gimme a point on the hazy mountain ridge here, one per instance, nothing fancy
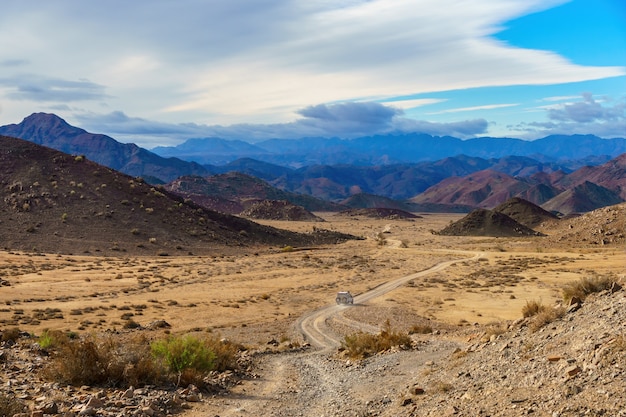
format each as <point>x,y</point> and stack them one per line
<point>458,182</point>
<point>393,149</point>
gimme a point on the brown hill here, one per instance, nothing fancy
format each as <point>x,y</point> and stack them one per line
<point>582,198</point>
<point>525,212</point>
<point>52,131</point>
<point>610,175</point>
<point>54,202</point>
<point>483,222</point>
<point>241,190</point>
<point>485,188</point>
<point>380,213</point>
<point>279,210</point>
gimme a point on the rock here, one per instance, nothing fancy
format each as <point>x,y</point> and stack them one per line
<point>554,358</point>
<point>415,390</point>
<point>129,393</point>
<point>573,370</point>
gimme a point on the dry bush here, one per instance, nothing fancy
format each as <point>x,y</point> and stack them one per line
<point>363,345</point>
<point>545,316</point>
<point>112,362</point>
<point>585,286</point>
<point>532,308</point>
<point>11,334</point>
<point>226,353</point>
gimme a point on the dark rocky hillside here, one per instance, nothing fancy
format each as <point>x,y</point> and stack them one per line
<point>380,213</point>
<point>525,212</point>
<point>482,222</point>
<point>241,189</point>
<point>279,210</point>
<point>58,203</point>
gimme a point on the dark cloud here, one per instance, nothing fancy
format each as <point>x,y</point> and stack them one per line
<point>345,120</point>
<point>35,88</point>
<point>604,119</point>
<point>366,113</point>
<point>587,111</point>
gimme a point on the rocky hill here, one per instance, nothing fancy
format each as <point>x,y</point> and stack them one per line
<point>52,131</point>
<point>279,210</point>
<point>483,222</point>
<point>380,213</point>
<point>58,203</point>
<point>242,190</point>
<point>525,212</point>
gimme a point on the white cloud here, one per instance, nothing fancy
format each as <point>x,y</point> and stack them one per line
<point>253,65</point>
<point>476,108</point>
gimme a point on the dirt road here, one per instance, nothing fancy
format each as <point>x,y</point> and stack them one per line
<point>312,383</point>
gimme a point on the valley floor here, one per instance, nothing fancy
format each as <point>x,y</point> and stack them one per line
<point>256,299</point>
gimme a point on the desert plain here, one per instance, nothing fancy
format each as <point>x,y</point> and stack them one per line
<point>255,296</point>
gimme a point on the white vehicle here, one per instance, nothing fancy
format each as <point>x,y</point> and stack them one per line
<point>344,297</point>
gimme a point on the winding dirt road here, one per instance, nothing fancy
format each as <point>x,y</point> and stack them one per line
<point>314,326</point>
<point>302,384</point>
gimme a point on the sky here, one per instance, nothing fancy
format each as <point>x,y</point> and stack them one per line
<point>158,72</point>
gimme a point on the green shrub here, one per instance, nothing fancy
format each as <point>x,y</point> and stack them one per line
<point>181,353</point>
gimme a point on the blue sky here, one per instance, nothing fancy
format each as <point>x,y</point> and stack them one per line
<point>158,72</point>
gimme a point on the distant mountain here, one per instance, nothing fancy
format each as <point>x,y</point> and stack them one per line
<point>611,175</point>
<point>485,189</point>
<point>582,198</point>
<point>52,131</point>
<point>395,149</point>
<point>241,191</point>
<point>585,189</point>
<point>214,151</point>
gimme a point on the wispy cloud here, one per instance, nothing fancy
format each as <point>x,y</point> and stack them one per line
<point>476,108</point>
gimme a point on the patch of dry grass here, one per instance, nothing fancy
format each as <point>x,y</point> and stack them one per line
<point>363,345</point>
<point>585,286</point>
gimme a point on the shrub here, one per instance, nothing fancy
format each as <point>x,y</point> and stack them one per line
<point>362,345</point>
<point>532,308</point>
<point>111,363</point>
<point>545,316</point>
<point>183,353</point>
<point>585,286</point>
<point>11,334</point>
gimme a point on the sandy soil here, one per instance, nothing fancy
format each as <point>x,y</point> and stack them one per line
<point>258,296</point>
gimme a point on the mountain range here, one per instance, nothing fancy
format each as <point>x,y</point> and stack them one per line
<point>391,149</point>
<point>564,174</point>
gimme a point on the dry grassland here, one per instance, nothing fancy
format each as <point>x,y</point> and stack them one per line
<point>257,296</point>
